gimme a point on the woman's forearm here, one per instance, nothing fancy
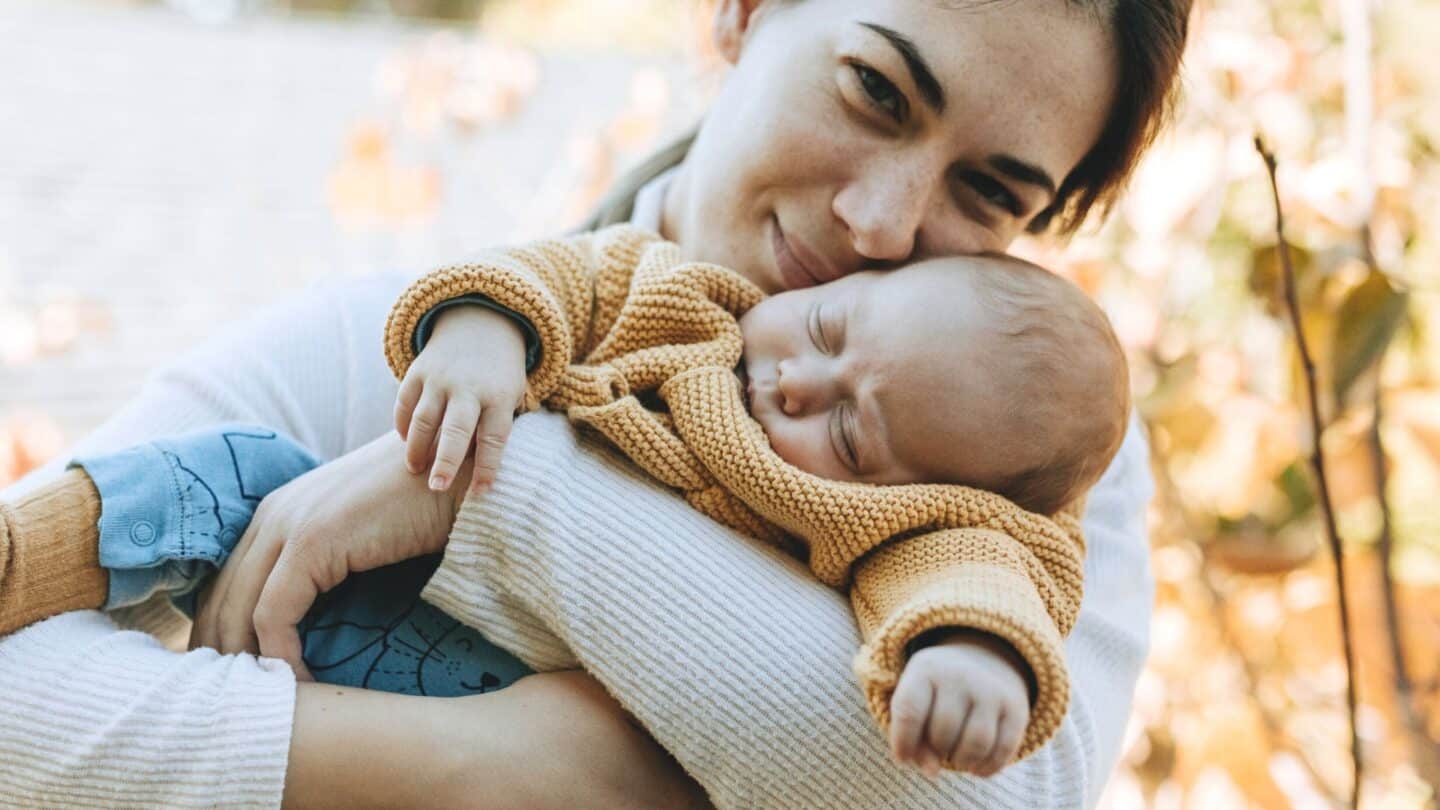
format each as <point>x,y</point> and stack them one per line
<point>550,741</point>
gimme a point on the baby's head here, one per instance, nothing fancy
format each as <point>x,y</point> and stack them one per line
<point>981,370</point>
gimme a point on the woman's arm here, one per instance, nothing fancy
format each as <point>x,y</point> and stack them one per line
<point>549,741</point>
<point>312,368</point>
<point>735,658</point>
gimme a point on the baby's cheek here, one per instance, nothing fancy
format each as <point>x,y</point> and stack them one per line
<point>800,446</point>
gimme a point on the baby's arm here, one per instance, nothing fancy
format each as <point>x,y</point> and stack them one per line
<point>1022,587</point>
<point>470,375</point>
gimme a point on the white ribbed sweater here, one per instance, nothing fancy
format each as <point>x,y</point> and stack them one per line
<point>110,718</point>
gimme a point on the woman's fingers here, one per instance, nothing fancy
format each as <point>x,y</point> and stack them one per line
<point>423,428</point>
<point>235,619</point>
<point>284,600</point>
<point>495,424</point>
<point>206,632</point>
<point>461,414</point>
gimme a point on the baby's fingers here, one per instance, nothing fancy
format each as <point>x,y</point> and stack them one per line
<point>947,720</point>
<point>423,424</point>
<point>495,426</point>
<point>977,739</point>
<point>461,414</point>
<point>405,401</point>
<point>909,707</point>
<point>1007,742</point>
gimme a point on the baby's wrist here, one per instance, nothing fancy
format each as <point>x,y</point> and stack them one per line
<point>973,638</point>
<point>471,317</point>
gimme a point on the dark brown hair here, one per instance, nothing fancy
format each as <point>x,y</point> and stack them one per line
<point>1149,40</point>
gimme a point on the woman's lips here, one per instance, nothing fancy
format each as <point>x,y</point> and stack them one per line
<point>799,268</point>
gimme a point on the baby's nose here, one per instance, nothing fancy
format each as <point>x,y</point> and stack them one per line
<point>803,387</point>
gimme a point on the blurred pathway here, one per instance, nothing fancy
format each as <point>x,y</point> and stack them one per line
<point>176,175</point>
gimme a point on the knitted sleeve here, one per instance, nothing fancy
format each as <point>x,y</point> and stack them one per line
<point>49,559</point>
<point>569,289</point>
<point>1025,591</point>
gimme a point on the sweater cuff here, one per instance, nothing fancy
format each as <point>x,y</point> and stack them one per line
<point>995,599</point>
<point>427,324</point>
<point>504,280</point>
<point>48,559</point>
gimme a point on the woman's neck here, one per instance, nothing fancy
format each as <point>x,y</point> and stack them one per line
<point>672,209</point>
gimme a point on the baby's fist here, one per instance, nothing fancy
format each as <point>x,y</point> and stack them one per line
<point>962,703</point>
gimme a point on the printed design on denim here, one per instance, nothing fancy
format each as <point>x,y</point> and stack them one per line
<point>202,512</point>
<point>375,632</point>
<point>235,442</point>
<point>199,507</point>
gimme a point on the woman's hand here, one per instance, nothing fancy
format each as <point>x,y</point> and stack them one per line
<point>360,511</point>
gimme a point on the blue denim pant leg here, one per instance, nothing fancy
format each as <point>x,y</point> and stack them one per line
<point>374,631</point>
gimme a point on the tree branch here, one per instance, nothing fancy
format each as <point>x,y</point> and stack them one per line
<point>1317,462</point>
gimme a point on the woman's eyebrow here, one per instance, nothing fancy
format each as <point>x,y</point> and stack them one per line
<point>1022,171</point>
<point>930,89</point>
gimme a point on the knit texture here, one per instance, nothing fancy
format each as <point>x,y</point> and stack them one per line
<point>49,561</point>
<point>914,557</point>
<point>98,717</point>
<point>732,655</point>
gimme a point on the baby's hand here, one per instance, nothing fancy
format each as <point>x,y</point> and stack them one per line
<point>468,381</point>
<point>964,697</point>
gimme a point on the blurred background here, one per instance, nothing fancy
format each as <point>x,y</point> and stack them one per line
<point>167,167</point>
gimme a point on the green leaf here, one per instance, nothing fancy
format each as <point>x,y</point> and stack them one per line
<point>1367,320</point>
<point>1265,279</point>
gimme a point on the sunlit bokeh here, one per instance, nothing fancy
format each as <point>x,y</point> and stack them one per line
<point>172,167</point>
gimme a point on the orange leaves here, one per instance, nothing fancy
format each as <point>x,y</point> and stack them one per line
<point>369,188</point>
<point>27,440</point>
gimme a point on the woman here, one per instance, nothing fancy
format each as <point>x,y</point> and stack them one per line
<point>851,134</point>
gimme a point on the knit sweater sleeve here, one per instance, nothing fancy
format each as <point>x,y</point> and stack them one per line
<point>49,561</point>
<point>569,290</point>
<point>1026,593</point>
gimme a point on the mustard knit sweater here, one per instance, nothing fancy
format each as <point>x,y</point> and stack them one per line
<point>619,315</point>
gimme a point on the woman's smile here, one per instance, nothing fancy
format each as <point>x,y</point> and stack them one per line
<point>793,273</point>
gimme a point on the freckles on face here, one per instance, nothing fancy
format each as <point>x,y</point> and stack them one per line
<point>823,127</point>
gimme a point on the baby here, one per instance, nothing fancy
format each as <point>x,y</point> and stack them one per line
<point>780,416</point>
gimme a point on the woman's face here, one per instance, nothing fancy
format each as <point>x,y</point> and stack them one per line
<point>860,134</point>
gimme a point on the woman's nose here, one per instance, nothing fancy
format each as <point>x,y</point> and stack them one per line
<point>805,386</point>
<point>884,211</point>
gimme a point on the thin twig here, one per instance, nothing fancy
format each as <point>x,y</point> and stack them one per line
<point>1317,461</point>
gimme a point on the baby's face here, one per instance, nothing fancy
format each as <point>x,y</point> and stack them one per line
<point>875,378</point>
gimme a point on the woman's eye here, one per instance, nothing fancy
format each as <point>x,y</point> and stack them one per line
<point>882,92</point>
<point>993,192</point>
